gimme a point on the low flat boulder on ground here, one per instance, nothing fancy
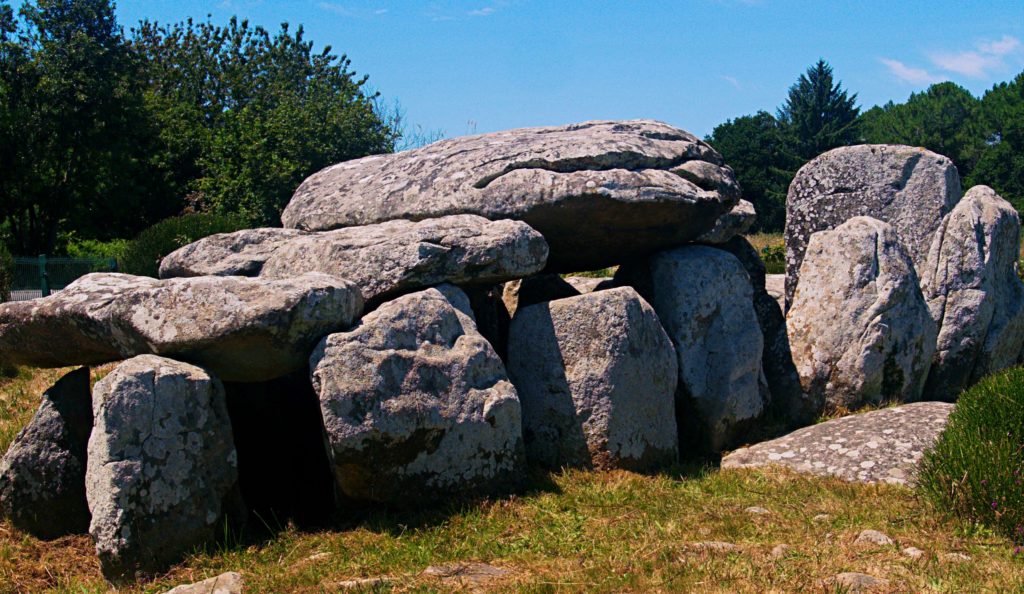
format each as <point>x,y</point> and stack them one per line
<point>599,192</point>
<point>243,329</point>
<point>416,404</point>
<point>881,446</point>
<point>596,375</point>
<point>908,187</point>
<point>42,476</point>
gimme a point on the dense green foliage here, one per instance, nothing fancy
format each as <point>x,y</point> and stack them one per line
<point>818,115</point>
<point>142,255</point>
<point>977,467</point>
<point>104,133</point>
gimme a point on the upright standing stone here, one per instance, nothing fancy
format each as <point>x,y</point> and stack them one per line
<point>596,375</point>
<point>416,403</point>
<point>974,293</point>
<point>42,476</point>
<point>859,327</point>
<point>162,476</point>
<point>907,187</point>
<point>599,192</point>
<point>705,301</point>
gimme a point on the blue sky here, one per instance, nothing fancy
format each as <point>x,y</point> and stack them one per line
<point>485,65</point>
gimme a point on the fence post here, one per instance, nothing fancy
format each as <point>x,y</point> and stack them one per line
<point>44,278</point>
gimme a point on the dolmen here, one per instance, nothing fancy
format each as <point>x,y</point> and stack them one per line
<point>414,333</point>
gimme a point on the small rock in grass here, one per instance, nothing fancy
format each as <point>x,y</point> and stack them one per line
<point>780,551</point>
<point>361,584</point>
<point>757,511</point>
<point>914,553</point>
<point>853,582</point>
<point>821,518</point>
<point>715,546</point>
<point>956,557</point>
<point>225,583</point>
<point>873,537</point>
<point>470,572</point>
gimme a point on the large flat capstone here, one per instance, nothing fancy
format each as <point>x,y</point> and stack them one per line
<point>599,192</point>
<point>243,329</point>
<point>881,446</point>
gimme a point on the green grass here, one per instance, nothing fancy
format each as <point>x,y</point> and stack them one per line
<point>977,466</point>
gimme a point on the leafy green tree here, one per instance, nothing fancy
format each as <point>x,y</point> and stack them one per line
<point>244,116</point>
<point>1001,164</point>
<point>942,119</point>
<point>754,147</point>
<point>818,115</point>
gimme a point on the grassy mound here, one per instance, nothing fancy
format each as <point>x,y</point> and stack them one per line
<point>977,466</point>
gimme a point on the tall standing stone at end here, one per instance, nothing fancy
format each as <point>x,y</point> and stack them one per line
<point>907,187</point>
<point>162,475</point>
<point>599,192</point>
<point>417,405</point>
<point>596,375</point>
<point>42,476</point>
<point>859,327</point>
<point>973,292</point>
<point>705,301</point>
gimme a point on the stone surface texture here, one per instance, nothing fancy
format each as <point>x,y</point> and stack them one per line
<point>225,583</point>
<point>536,289</point>
<point>416,403</point>
<point>396,257</point>
<point>859,327</point>
<point>705,301</point>
<point>735,222</point>
<point>974,294</point>
<point>881,446</point>
<point>243,329</point>
<point>241,253</point>
<point>42,476</point>
<point>162,473</point>
<point>910,188</point>
<point>598,191</point>
<point>775,284</point>
<point>596,376</point>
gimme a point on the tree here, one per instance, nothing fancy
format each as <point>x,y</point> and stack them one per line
<point>944,119</point>
<point>244,116</point>
<point>1001,164</point>
<point>754,147</point>
<point>818,115</point>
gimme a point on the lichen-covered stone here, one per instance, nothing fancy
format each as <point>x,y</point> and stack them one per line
<point>596,375</point>
<point>241,253</point>
<point>536,289</point>
<point>974,294</point>
<point>396,257</point>
<point>243,329</point>
<point>907,187</point>
<point>737,221</point>
<point>417,405</point>
<point>882,446</point>
<point>42,476</point>
<point>599,192</point>
<point>162,473</point>
<point>705,301</point>
<point>859,328</point>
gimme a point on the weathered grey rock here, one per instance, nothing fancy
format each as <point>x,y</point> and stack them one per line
<point>396,257</point>
<point>914,553</point>
<point>467,574</point>
<point>881,446</point>
<point>854,582</point>
<point>42,476</point>
<point>162,474</point>
<point>416,403</point>
<point>491,316</point>
<point>241,253</point>
<point>973,292</point>
<point>589,284</point>
<point>859,327</point>
<point>225,583</point>
<point>243,329</point>
<point>791,405</point>
<point>873,538</point>
<point>775,285</point>
<point>910,188</point>
<point>735,222</point>
<point>596,376</point>
<point>600,192</point>
<point>704,299</point>
<point>536,289</point>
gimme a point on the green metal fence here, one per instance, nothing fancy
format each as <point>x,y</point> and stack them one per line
<point>41,276</point>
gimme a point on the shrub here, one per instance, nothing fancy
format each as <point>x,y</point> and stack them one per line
<point>976,469</point>
<point>6,273</point>
<point>93,248</point>
<point>143,254</point>
<point>774,257</point>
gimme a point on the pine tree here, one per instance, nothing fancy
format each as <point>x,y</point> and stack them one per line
<point>818,115</point>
